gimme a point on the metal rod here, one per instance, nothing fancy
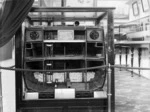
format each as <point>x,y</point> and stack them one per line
<point>120,52</point>
<point>89,68</point>
<point>109,94</point>
<point>67,70</point>
<point>141,68</point>
<point>70,9</point>
<point>139,54</point>
<point>127,56</point>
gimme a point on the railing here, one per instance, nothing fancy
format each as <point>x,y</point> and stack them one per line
<point>135,52</point>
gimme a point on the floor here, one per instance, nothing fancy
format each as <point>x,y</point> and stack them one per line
<point>132,93</point>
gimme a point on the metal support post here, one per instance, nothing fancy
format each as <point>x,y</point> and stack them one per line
<point>139,54</point>
<point>120,52</point>
<point>132,59</point>
<point>127,56</point>
<point>109,94</point>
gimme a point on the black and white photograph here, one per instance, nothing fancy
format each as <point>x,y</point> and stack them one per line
<point>74,55</point>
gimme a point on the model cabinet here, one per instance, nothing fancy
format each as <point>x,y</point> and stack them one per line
<point>63,63</point>
<point>63,48</point>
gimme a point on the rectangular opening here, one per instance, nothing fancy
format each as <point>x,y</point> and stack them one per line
<point>34,65</point>
<point>75,49</point>
<point>34,50</point>
<point>50,35</point>
<point>79,35</point>
<point>58,49</point>
<point>95,49</point>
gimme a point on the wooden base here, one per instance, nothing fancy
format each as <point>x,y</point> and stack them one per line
<point>71,105</point>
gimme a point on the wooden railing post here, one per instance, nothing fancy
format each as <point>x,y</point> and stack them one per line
<point>132,60</point>
<point>127,56</point>
<point>139,59</point>
<point>120,55</point>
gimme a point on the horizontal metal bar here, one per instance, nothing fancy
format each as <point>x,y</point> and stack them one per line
<point>50,18</point>
<point>118,66</point>
<point>66,70</point>
<point>70,9</point>
<point>69,70</point>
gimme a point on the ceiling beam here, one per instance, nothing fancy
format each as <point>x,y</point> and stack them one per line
<point>59,18</point>
<point>70,9</point>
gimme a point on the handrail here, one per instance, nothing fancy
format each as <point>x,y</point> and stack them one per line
<point>38,70</point>
<point>69,70</point>
<point>140,68</point>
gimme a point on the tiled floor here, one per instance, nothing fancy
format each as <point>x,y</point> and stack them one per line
<point>132,93</point>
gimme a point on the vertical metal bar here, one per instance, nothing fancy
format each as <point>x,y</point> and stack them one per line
<point>120,50</point>
<point>111,56</point>
<point>120,53</point>
<point>119,33</point>
<point>95,5</point>
<point>40,13</point>
<point>62,13</point>
<point>85,59</point>
<point>140,54</point>
<point>109,88</point>
<point>18,64</point>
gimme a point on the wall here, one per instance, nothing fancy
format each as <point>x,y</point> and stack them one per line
<point>121,8</point>
<point>6,51</point>
<point>8,87</point>
<point>7,77</point>
<point>140,8</point>
<point>1,3</point>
